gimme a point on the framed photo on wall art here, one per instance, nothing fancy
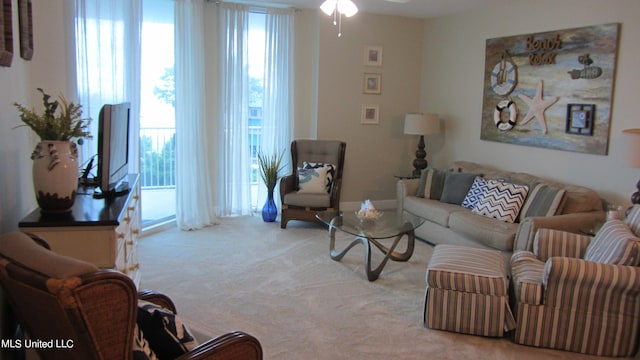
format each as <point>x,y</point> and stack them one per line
<point>370,114</point>
<point>372,83</point>
<point>373,55</point>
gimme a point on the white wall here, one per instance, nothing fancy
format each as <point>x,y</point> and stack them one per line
<point>452,83</point>
<point>374,153</point>
<point>47,69</point>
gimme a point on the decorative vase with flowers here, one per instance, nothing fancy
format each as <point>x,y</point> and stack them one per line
<point>55,166</point>
<point>270,166</point>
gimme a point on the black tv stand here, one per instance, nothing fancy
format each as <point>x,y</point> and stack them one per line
<point>122,188</point>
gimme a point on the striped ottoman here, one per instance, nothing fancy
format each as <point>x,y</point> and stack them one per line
<point>467,291</point>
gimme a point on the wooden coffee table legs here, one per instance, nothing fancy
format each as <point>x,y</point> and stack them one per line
<point>389,252</point>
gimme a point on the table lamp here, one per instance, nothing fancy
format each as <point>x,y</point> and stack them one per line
<point>421,124</point>
<point>633,159</point>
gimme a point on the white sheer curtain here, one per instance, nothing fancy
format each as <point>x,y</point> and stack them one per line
<point>194,193</point>
<point>277,110</point>
<point>234,190</point>
<point>107,35</point>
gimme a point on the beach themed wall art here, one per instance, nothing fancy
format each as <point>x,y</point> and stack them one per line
<point>552,89</point>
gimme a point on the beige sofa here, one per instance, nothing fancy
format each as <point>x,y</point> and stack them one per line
<point>447,223</point>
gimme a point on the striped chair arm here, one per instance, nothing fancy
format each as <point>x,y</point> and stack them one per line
<point>550,242</point>
<point>527,272</point>
<point>578,284</point>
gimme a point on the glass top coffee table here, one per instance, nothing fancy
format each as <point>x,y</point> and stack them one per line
<point>390,225</point>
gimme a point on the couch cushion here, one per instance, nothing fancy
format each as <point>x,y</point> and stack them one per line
<point>318,200</point>
<point>633,220</point>
<point>614,244</point>
<point>580,199</point>
<point>502,201</point>
<point>432,210</point>
<point>456,187</point>
<point>577,198</point>
<point>431,183</point>
<point>543,200</point>
<point>490,232</point>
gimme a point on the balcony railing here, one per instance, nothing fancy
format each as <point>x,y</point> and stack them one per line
<point>157,169</point>
<point>158,157</point>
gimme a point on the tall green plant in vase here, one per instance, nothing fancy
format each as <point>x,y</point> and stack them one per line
<point>55,166</point>
<point>270,167</point>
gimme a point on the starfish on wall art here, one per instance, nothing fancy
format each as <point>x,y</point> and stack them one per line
<point>537,106</point>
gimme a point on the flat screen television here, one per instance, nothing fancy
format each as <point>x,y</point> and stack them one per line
<point>113,150</point>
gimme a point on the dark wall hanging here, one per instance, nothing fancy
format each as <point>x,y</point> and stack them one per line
<point>26,29</point>
<point>6,34</point>
<point>552,89</point>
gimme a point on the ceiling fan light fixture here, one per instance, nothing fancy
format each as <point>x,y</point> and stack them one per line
<point>337,8</point>
<point>347,8</point>
<point>329,6</point>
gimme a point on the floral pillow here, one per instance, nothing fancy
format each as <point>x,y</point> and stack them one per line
<point>331,171</point>
<point>312,181</point>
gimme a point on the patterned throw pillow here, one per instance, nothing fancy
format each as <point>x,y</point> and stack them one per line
<point>502,201</point>
<point>477,191</point>
<point>543,200</point>
<point>312,181</point>
<point>431,183</point>
<point>331,171</point>
<point>613,244</point>
<point>167,336</point>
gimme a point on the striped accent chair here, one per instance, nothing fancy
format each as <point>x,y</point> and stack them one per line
<point>579,293</point>
<point>467,291</point>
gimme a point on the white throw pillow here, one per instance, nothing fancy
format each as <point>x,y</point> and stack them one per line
<point>331,171</point>
<point>312,181</point>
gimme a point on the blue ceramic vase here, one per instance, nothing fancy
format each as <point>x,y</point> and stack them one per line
<point>269,210</point>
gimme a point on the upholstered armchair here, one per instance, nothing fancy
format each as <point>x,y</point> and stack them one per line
<point>580,293</point>
<point>91,313</point>
<point>312,160</point>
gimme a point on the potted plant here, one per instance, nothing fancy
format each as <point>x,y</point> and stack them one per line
<point>55,167</point>
<point>270,167</point>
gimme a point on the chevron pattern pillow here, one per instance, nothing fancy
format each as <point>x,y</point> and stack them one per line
<point>502,201</point>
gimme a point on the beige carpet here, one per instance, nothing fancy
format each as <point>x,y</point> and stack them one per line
<point>282,287</point>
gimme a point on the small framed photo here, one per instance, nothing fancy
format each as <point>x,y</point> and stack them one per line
<point>580,119</point>
<point>373,55</point>
<point>370,114</point>
<point>372,83</point>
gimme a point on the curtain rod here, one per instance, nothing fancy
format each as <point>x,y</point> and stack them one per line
<point>256,3</point>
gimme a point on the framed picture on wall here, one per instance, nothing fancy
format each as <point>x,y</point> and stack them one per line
<point>372,83</point>
<point>370,114</point>
<point>373,55</point>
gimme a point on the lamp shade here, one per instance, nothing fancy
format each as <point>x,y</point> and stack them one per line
<point>633,147</point>
<point>421,124</point>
